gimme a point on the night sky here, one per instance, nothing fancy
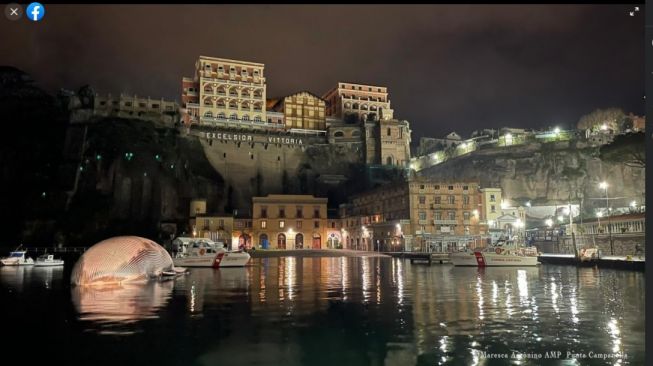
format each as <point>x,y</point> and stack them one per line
<point>447,67</point>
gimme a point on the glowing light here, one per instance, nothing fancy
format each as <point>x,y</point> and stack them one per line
<point>528,204</point>
<point>549,222</point>
<point>560,218</point>
<point>556,130</point>
<point>633,204</point>
<point>604,127</point>
<point>603,185</point>
<point>505,204</point>
<point>599,214</point>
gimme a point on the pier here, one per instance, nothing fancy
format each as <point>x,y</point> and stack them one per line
<point>606,261</point>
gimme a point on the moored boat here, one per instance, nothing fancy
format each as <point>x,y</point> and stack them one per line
<point>207,253</point>
<point>495,257</point>
<point>47,260</point>
<point>17,258</point>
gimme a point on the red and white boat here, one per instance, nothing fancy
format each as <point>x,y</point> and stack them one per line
<point>497,256</point>
<point>207,253</point>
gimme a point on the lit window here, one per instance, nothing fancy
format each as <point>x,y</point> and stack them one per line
<point>282,224</point>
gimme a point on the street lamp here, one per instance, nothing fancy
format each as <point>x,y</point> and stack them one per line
<point>604,185</point>
<point>549,222</point>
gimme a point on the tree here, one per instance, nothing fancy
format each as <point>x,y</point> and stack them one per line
<point>628,149</point>
<point>611,117</point>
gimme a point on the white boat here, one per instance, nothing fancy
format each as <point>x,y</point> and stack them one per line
<point>495,256</point>
<point>207,253</point>
<point>47,260</point>
<point>17,258</point>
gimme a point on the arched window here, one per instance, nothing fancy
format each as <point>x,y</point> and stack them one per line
<point>208,89</point>
<point>388,160</point>
<point>208,103</point>
<point>373,108</point>
<point>355,106</point>
<point>245,118</point>
<point>281,241</point>
<point>233,117</point>
<point>299,241</point>
<point>257,106</point>
<point>339,134</point>
<point>364,107</point>
<point>221,115</point>
<point>233,105</point>
<point>208,114</point>
<point>347,105</point>
<point>258,93</point>
<point>233,92</point>
<point>257,118</point>
<point>245,106</point>
<point>221,91</point>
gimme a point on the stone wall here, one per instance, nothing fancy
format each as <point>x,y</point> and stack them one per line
<point>623,244</point>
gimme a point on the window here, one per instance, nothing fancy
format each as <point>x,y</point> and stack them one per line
<point>282,224</point>
<point>155,106</point>
<point>452,215</point>
<point>128,104</point>
<point>299,224</point>
<point>465,188</point>
<point>299,214</point>
<point>437,186</point>
<point>389,132</point>
<point>422,200</point>
<point>451,188</point>
<point>466,216</point>
<point>422,215</point>
<point>492,199</point>
<point>221,223</point>
<point>282,212</point>
<point>452,200</point>
<point>316,224</point>
<point>316,212</point>
<point>264,212</point>
<point>493,208</point>
<point>338,134</point>
<point>465,200</point>
<point>333,224</point>
<point>264,224</point>
<point>438,200</point>
<point>421,186</point>
<point>438,215</point>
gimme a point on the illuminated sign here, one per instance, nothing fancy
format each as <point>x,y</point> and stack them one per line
<point>253,138</point>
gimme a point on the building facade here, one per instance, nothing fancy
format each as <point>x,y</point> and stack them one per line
<point>363,102</point>
<point>407,215</point>
<point>303,111</point>
<point>225,92</point>
<point>289,221</point>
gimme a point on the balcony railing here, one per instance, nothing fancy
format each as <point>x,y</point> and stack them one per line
<point>445,222</point>
<point>232,82</point>
<point>192,105</point>
<point>239,122</point>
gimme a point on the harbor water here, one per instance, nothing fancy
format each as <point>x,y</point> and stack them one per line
<point>330,311</point>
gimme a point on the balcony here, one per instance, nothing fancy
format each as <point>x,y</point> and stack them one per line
<point>232,122</point>
<point>192,105</point>
<point>260,82</point>
<point>445,222</point>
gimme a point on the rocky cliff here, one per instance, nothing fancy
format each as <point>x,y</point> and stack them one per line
<point>552,173</point>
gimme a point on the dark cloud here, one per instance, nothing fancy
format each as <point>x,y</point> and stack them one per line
<point>447,67</point>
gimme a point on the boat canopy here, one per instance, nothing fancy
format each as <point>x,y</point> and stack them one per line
<point>16,254</point>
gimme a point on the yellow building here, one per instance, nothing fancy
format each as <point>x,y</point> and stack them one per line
<point>225,93</point>
<point>492,199</point>
<point>290,221</point>
<point>364,102</point>
<point>218,228</point>
<point>302,110</point>
<point>408,214</point>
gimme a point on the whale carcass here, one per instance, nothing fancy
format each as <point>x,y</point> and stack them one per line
<point>120,260</point>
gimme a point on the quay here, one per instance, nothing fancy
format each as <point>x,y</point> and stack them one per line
<point>606,261</point>
<point>421,257</point>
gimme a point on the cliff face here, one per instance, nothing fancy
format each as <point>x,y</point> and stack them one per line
<point>549,174</point>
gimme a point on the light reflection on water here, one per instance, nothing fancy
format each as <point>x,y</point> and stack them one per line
<point>360,311</point>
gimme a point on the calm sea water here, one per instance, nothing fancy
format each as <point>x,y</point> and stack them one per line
<point>330,311</point>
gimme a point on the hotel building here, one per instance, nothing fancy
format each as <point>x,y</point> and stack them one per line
<point>365,102</point>
<point>225,93</point>
<point>302,111</point>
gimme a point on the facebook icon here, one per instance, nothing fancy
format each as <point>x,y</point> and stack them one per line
<point>35,12</point>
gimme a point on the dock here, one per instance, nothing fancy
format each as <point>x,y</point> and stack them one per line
<point>606,261</point>
<point>421,257</point>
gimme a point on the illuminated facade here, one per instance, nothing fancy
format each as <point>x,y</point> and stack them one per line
<point>290,221</point>
<point>225,93</point>
<point>302,110</point>
<point>363,102</point>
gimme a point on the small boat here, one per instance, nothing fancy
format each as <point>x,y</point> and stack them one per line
<point>47,260</point>
<point>17,258</point>
<point>207,253</point>
<point>496,256</point>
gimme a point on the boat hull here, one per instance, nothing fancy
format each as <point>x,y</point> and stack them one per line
<point>10,262</point>
<point>220,260</point>
<point>48,264</point>
<point>480,259</point>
